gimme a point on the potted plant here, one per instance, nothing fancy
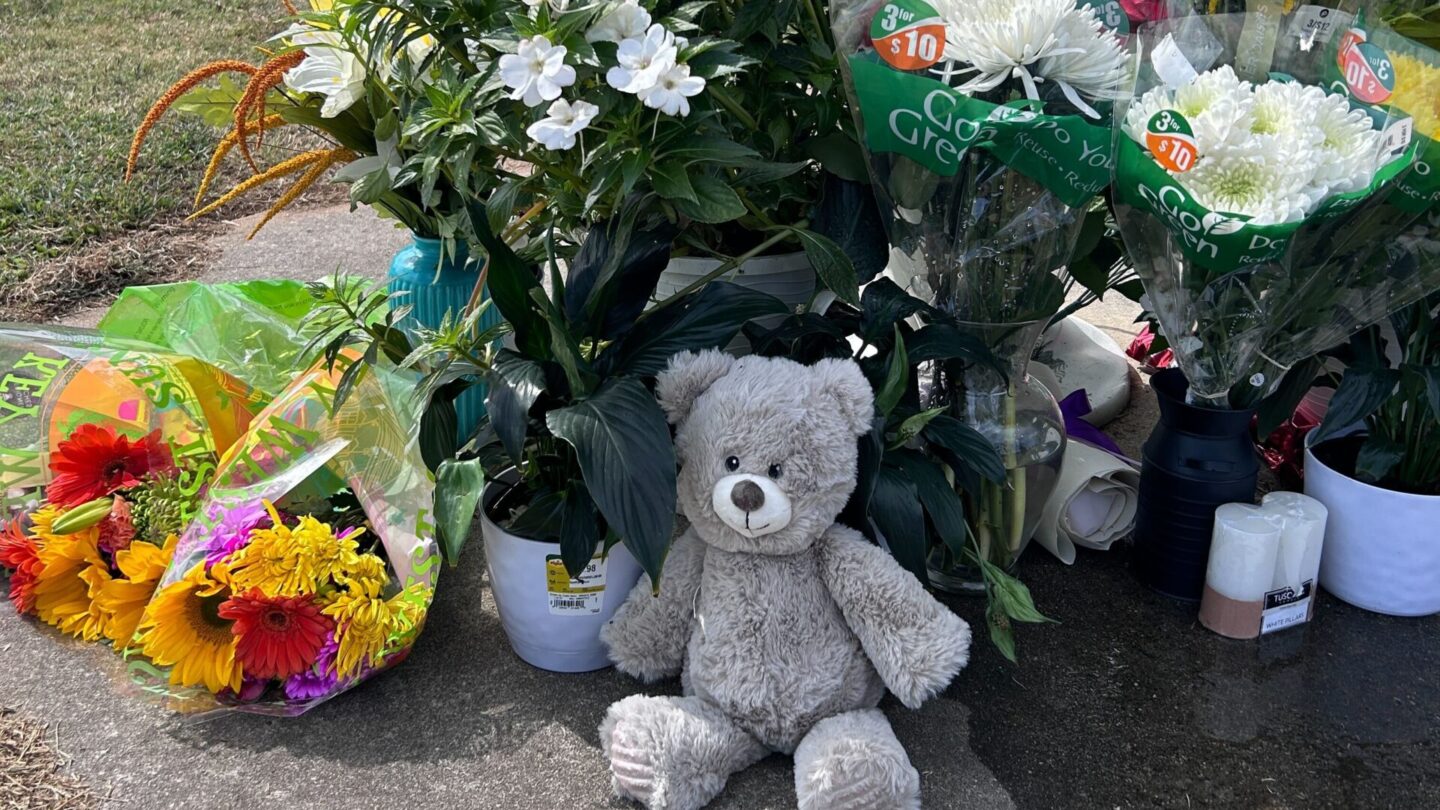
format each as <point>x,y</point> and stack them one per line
<point>1382,485</point>
<point>918,467</point>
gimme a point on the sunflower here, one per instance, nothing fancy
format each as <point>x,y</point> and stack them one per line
<point>71,573</point>
<point>20,554</point>
<point>285,561</point>
<point>123,600</point>
<point>182,629</point>
<point>96,461</point>
<point>364,622</point>
<point>279,636</point>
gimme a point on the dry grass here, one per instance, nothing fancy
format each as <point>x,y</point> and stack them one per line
<point>32,769</point>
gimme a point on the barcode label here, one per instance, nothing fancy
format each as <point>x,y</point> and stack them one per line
<point>569,605</point>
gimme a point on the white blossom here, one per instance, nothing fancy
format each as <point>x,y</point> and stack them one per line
<point>643,61</point>
<point>626,21</point>
<point>562,123</point>
<point>329,69</point>
<point>537,72</point>
<point>671,94</point>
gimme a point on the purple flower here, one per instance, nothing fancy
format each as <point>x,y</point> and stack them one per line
<point>319,680</point>
<point>233,531</point>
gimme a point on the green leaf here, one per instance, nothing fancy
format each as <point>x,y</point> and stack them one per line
<point>1377,458</point>
<point>622,441</point>
<point>458,487</point>
<point>514,385</point>
<point>510,282</point>
<point>897,377</point>
<point>715,202</point>
<point>216,105</point>
<point>672,182</point>
<point>895,510</point>
<point>883,305</point>
<point>912,425</point>
<point>439,431</point>
<point>947,511</point>
<point>1277,408</point>
<point>579,529</point>
<point>709,149</point>
<point>834,268</point>
<point>1001,634</point>
<point>1363,390</point>
<point>1012,595</point>
<point>1431,376</point>
<point>840,155</point>
<point>849,215</point>
<point>967,445</point>
<point>707,319</point>
<point>761,172</point>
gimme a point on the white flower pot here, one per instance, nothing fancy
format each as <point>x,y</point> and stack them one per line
<point>787,276</point>
<point>1382,548</point>
<point>552,622</point>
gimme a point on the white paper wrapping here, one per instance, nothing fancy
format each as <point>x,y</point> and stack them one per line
<point>1093,503</point>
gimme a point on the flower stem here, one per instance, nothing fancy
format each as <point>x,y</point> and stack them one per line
<point>725,267</point>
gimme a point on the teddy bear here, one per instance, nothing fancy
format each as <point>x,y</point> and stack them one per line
<point>785,628</point>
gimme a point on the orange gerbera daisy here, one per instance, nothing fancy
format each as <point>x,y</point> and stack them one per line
<point>20,554</point>
<point>96,461</point>
<point>278,635</point>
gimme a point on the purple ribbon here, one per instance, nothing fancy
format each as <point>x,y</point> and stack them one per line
<point>1074,407</point>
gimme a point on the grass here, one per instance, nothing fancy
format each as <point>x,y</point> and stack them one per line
<point>76,77</point>
<point>32,769</point>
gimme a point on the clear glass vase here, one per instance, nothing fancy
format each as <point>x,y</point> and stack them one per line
<point>1023,422</point>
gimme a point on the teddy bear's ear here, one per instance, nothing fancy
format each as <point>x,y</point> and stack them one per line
<point>687,377</point>
<point>843,381</point>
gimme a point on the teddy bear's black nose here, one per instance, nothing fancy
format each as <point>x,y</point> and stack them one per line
<point>748,496</point>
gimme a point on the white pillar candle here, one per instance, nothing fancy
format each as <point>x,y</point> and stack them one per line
<point>1301,539</point>
<point>1243,551</point>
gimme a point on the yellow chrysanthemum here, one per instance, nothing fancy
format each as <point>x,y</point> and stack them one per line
<point>285,561</point>
<point>123,600</point>
<point>364,623</point>
<point>1417,92</point>
<point>71,573</point>
<point>182,629</point>
<point>367,575</point>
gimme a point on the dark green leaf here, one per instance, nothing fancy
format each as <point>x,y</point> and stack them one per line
<point>458,486</point>
<point>947,511</point>
<point>944,341</point>
<point>714,203</point>
<point>883,305</point>
<point>514,385</point>
<point>509,282</point>
<point>541,518</point>
<point>707,319</point>
<point>622,441</point>
<point>1277,408</point>
<point>897,377</point>
<point>1431,375</point>
<point>1361,391</point>
<point>1377,458</point>
<point>840,155</point>
<point>968,445</point>
<point>613,277</point>
<point>672,181</point>
<point>709,148</point>
<point>848,216</point>
<point>579,529</point>
<point>895,509</point>
<point>439,431</point>
<point>871,453</point>
<point>833,267</point>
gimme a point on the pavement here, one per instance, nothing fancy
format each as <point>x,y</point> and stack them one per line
<point>1124,702</point>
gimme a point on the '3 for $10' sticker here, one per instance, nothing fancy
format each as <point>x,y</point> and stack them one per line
<point>908,34</point>
<point>1171,141</point>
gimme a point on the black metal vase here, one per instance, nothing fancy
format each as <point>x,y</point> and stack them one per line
<point>1195,460</point>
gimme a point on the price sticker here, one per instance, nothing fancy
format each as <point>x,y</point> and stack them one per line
<point>1110,13</point>
<point>1171,141</point>
<point>1368,72</point>
<point>908,34</point>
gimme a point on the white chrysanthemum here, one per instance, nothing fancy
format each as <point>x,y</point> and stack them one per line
<point>1033,41</point>
<point>1350,149</point>
<point>1244,178</point>
<point>1217,105</point>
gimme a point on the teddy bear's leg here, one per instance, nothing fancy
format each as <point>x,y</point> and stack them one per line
<point>673,753</point>
<point>852,761</point>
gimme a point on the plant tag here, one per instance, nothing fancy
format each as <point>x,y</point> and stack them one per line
<point>1317,24</point>
<point>1368,72</point>
<point>908,34</point>
<point>582,596</point>
<point>1283,607</point>
<point>1171,65</point>
<point>1396,137</point>
<point>1170,139</point>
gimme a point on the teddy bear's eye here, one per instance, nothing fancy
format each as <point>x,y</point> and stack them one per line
<point>732,464</point>
<point>775,471</point>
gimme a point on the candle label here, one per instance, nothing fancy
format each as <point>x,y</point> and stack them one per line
<point>1286,607</point>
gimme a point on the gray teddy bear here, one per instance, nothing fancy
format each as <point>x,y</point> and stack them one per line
<point>785,628</point>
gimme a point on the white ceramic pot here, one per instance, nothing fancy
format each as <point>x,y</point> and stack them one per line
<point>1382,548</point>
<point>787,276</point>
<point>552,621</point>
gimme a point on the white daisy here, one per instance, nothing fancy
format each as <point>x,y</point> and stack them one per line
<point>562,122</point>
<point>671,93</point>
<point>643,61</point>
<point>1034,41</point>
<point>537,72</point>
<point>329,69</point>
<point>625,21</point>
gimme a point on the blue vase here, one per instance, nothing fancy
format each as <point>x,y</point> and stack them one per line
<point>433,288</point>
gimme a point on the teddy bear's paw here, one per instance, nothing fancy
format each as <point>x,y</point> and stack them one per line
<point>853,762</point>
<point>672,753</point>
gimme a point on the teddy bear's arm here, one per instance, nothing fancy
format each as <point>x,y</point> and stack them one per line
<point>916,644</point>
<point>648,635</point>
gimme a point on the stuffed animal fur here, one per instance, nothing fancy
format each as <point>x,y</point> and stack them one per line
<point>785,628</point>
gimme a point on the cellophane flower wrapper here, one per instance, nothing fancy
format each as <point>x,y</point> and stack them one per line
<point>106,447</point>
<point>1260,178</point>
<point>276,617</point>
<point>984,156</point>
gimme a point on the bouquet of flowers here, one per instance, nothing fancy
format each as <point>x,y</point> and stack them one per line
<point>985,125</point>
<point>1255,205</point>
<point>106,449</point>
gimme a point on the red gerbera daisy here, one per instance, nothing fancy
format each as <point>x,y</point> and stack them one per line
<point>96,461</point>
<point>279,635</point>
<point>20,554</point>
